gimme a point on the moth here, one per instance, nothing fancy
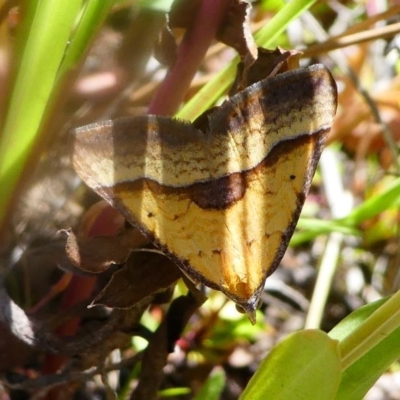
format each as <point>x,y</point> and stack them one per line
<point>221,198</point>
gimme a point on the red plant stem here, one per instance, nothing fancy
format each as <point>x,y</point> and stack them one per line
<point>80,288</point>
<point>191,52</point>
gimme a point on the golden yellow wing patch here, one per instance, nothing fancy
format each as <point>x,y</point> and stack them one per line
<point>223,201</point>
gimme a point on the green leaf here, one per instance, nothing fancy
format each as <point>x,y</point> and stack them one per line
<point>309,228</point>
<point>306,365</point>
<point>385,200</point>
<point>92,17</point>
<point>370,339</point>
<point>213,387</point>
<point>375,205</point>
<point>41,46</point>
<point>51,40</point>
<point>354,320</point>
<point>373,330</point>
<point>174,392</point>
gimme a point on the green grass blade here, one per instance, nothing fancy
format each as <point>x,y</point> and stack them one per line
<point>269,34</point>
<point>385,200</point>
<point>266,37</point>
<point>370,343</point>
<point>40,54</point>
<point>373,330</point>
<point>213,387</point>
<point>311,227</point>
<point>52,39</point>
<point>375,205</point>
<point>93,15</point>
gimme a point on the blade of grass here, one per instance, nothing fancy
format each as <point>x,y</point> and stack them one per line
<point>340,204</point>
<point>266,37</point>
<point>93,15</point>
<point>317,227</point>
<point>359,377</point>
<point>379,325</point>
<point>375,205</point>
<point>42,49</point>
<point>348,225</point>
<point>46,51</point>
<point>213,387</point>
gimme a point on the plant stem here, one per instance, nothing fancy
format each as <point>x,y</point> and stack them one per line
<point>191,52</point>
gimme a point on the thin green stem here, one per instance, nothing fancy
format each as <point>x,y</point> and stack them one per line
<point>266,37</point>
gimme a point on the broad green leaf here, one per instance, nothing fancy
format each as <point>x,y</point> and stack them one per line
<point>306,365</point>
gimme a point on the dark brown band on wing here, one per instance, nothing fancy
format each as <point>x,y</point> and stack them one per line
<point>219,194</point>
<point>224,192</point>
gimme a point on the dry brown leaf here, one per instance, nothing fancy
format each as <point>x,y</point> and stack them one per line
<point>268,63</point>
<point>96,254</point>
<point>235,30</point>
<point>166,48</point>
<point>145,274</point>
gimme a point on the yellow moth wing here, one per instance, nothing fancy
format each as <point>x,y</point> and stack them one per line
<point>221,201</point>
